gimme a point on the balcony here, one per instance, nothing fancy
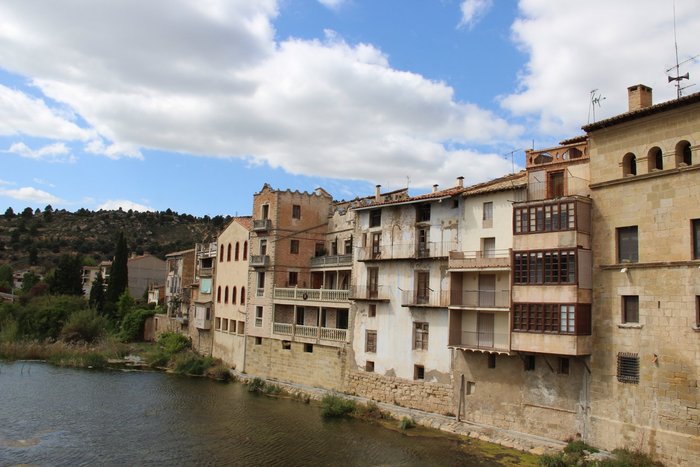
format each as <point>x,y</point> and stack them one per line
<point>260,292</point>
<point>202,323</point>
<point>205,272</point>
<point>478,260</point>
<point>480,299</point>
<point>311,295</point>
<point>413,250</point>
<point>262,225</point>
<point>310,332</point>
<point>259,261</point>
<point>430,298</point>
<point>485,341</point>
<point>331,261</point>
<point>484,331</point>
<point>205,250</point>
<point>372,293</point>
<point>561,329</point>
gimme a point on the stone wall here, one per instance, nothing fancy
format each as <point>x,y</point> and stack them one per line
<point>324,367</point>
<point>431,397</point>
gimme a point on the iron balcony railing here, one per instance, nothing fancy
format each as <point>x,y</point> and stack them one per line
<point>479,259</point>
<point>413,250</point>
<point>318,295</point>
<point>480,298</point>
<point>262,225</point>
<point>260,292</point>
<point>337,260</point>
<point>425,298</point>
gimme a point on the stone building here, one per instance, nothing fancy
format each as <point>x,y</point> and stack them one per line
<point>201,307</point>
<point>144,271</point>
<point>645,363</point>
<point>180,269</point>
<point>232,292</point>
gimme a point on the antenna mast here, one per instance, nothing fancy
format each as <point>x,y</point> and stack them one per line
<point>594,100</point>
<point>678,78</point>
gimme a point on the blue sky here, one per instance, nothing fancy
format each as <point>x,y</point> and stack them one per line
<point>193,105</point>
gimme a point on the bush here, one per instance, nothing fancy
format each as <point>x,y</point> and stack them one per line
<point>272,389</point>
<point>84,326</point>
<point>220,372</point>
<point>132,326</point>
<point>406,423</point>
<point>577,447</point>
<point>370,411</point>
<point>256,385</point>
<point>333,406</point>
<point>625,458</point>
<point>553,460</point>
<point>158,359</point>
<point>172,342</point>
<point>192,364</point>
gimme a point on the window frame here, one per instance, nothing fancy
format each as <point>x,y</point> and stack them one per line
<point>559,216</point>
<point>630,309</point>
<point>294,246</point>
<point>370,341</point>
<point>296,211</point>
<point>375,218</point>
<point>627,249</point>
<point>695,238</point>
<point>545,267</point>
<point>421,335</point>
<point>628,367</point>
<point>547,318</point>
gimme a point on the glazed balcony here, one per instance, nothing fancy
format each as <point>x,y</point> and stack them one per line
<point>331,261</point>
<point>561,329</point>
<point>259,261</point>
<point>480,299</point>
<point>311,295</point>
<point>480,260</point>
<point>262,225</point>
<point>422,298</point>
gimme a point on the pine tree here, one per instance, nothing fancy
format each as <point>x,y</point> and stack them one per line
<point>119,273</point>
<point>9,213</point>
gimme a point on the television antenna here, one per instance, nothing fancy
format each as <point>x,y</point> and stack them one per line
<point>512,159</point>
<point>678,77</point>
<point>595,100</point>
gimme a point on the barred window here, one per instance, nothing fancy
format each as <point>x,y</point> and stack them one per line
<point>628,367</point>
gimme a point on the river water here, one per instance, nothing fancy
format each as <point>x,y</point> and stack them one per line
<point>60,416</point>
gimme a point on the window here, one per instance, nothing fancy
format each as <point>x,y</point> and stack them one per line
<point>423,249</point>
<point>334,247</point>
<point>319,250</point>
<point>369,366</point>
<point>226,294</point>
<point>348,246</point>
<point>553,318</point>
<point>423,213</point>
<point>655,159</point>
<point>238,247</point>
<point>371,341</point>
<point>224,324</point>
<point>376,245</point>
<point>263,246</point>
<point>555,184</point>
<point>529,363</point>
<point>245,251</point>
<point>491,362</point>
<point>422,287</point>
<point>258,316</point>
<point>241,327</point>
<point>228,252</point>
<point>309,348</point>
<point>372,282</point>
<point>221,254</point>
<point>293,278</point>
<point>296,211</point>
<point>205,285</point>
<point>544,267</point>
<point>683,154</point>
<point>487,215</point>
<point>234,292</point>
<point>372,312</point>
<point>697,311</point>
<point>418,372</point>
<point>232,327</point>
<point>242,295</point>
<point>258,340</point>
<point>218,323</point>
<point>629,164</point>
<point>265,211</point>
<point>375,218</point>
<point>286,345</point>
<point>455,203</point>
<point>420,336</point>
<point>627,245</point>
<point>551,217</point>
<point>628,367</point>
<point>696,238</point>
<point>294,247</point>
<point>563,367</point>
<point>630,309</point>
<point>218,294</point>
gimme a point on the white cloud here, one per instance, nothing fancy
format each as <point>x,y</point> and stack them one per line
<point>125,204</point>
<point>210,79</point>
<point>55,152</point>
<point>575,47</point>
<point>5,183</point>
<point>40,181</point>
<point>473,11</point>
<point>332,4</point>
<point>31,194</point>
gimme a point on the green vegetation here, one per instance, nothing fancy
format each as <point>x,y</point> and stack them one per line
<point>334,406</point>
<point>133,323</point>
<point>189,363</point>
<point>575,454</point>
<point>84,326</point>
<point>406,423</point>
<point>256,385</point>
<point>272,389</point>
<point>67,277</point>
<point>119,273</point>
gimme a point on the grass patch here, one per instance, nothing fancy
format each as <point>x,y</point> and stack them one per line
<point>256,385</point>
<point>333,406</point>
<point>189,363</point>
<point>575,452</point>
<point>369,411</point>
<point>272,389</point>
<point>220,372</point>
<point>406,423</point>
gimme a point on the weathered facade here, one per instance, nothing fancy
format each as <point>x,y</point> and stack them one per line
<point>144,271</point>
<point>645,363</point>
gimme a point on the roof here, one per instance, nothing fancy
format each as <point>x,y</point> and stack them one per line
<point>574,140</point>
<point>245,221</point>
<point>503,183</point>
<point>180,253</point>
<point>646,111</point>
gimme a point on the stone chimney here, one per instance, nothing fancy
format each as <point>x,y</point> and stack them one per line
<point>435,188</point>
<point>378,193</point>
<point>639,97</point>
<point>460,182</point>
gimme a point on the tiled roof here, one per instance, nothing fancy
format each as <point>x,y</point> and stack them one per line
<point>627,116</point>
<point>180,253</point>
<point>245,221</point>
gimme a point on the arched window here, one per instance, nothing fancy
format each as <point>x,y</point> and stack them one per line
<point>245,251</point>
<point>233,295</point>
<point>242,295</point>
<point>226,294</point>
<point>218,291</point>
<point>655,159</point>
<point>629,164</point>
<point>221,254</point>
<point>683,154</point>
<point>237,248</point>
<point>228,252</point>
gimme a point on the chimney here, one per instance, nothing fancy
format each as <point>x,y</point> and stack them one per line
<point>639,97</point>
<point>460,182</point>
<point>435,188</point>
<point>377,193</point>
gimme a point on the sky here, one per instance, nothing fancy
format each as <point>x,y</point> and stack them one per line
<point>193,105</point>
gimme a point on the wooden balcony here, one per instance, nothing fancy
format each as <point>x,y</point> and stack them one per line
<point>430,298</point>
<point>480,299</point>
<point>483,341</point>
<point>480,260</point>
<point>310,332</point>
<point>262,225</point>
<point>259,261</point>
<point>311,295</point>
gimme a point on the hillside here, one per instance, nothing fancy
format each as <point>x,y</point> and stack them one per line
<point>40,237</point>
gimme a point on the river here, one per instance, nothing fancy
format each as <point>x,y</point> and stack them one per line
<point>62,416</point>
